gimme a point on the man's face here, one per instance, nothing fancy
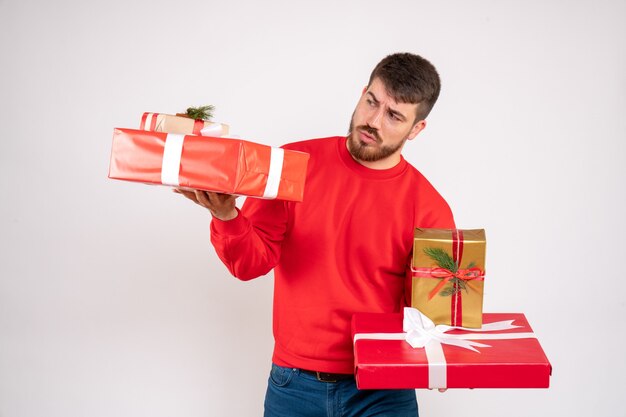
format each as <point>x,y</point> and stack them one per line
<point>380,125</point>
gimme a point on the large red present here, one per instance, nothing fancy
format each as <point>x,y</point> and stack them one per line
<point>232,166</point>
<point>504,353</point>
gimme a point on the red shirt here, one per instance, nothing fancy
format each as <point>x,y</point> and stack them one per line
<point>345,249</point>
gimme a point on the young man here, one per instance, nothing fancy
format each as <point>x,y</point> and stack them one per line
<point>345,249</point>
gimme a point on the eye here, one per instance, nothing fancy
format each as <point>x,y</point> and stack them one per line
<point>394,117</point>
<point>370,102</point>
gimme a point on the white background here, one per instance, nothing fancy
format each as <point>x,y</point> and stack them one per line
<point>112,300</point>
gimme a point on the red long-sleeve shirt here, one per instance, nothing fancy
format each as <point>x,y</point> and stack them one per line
<point>345,249</point>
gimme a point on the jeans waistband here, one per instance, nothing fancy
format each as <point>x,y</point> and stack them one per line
<point>327,376</point>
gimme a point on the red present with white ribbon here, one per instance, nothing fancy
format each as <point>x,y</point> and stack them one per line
<point>232,166</point>
<point>394,351</point>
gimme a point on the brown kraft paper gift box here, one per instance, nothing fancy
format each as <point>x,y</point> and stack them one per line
<point>181,124</point>
<point>448,275</point>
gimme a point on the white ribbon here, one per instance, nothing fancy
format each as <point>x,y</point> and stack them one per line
<point>170,166</point>
<point>421,332</point>
<point>277,156</point>
<point>149,120</point>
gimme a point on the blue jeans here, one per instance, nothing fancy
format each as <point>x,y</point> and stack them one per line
<point>293,393</point>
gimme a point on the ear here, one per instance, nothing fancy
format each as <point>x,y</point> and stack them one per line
<point>418,127</point>
<point>364,90</point>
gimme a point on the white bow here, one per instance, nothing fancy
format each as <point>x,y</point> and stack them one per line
<point>420,330</point>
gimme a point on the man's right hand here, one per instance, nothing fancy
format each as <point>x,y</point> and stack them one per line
<point>221,206</point>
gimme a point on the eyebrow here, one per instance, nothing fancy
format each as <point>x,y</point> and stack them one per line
<point>392,111</point>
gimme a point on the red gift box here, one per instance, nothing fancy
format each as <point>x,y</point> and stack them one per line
<point>232,166</point>
<point>394,363</point>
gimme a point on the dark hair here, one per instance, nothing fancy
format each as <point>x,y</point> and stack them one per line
<point>409,78</point>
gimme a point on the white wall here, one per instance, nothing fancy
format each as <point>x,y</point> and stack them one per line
<point>113,302</point>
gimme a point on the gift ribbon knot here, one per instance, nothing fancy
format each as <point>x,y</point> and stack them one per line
<point>465,274</point>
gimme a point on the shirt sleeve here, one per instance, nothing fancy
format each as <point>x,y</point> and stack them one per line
<point>439,216</point>
<point>250,244</point>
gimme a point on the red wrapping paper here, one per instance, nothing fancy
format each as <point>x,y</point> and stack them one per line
<point>231,166</point>
<point>392,364</point>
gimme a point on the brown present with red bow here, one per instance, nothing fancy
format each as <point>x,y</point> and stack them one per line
<point>181,124</point>
<point>448,275</point>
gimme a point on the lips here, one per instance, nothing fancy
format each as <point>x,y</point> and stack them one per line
<point>367,137</point>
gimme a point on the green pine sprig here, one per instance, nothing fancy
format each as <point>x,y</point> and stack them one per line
<point>444,260</point>
<point>457,286</point>
<point>202,112</point>
<point>441,258</point>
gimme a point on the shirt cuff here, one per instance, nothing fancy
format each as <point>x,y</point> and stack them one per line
<point>233,227</point>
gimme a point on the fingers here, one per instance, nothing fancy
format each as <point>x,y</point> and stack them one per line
<point>199,197</point>
<point>203,199</point>
<point>189,194</point>
<point>220,205</point>
<point>221,198</point>
<point>213,199</point>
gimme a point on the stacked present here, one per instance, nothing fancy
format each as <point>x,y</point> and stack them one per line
<point>448,275</point>
<point>444,340</point>
<point>188,151</point>
<point>194,122</point>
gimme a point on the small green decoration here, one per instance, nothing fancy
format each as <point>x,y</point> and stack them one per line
<point>442,258</point>
<point>445,261</point>
<point>201,113</point>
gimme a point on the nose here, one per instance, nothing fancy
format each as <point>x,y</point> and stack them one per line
<point>376,118</point>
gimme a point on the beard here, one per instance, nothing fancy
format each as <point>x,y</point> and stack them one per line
<point>367,152</point>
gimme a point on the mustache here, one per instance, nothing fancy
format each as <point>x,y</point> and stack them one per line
<point>370,131</point>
